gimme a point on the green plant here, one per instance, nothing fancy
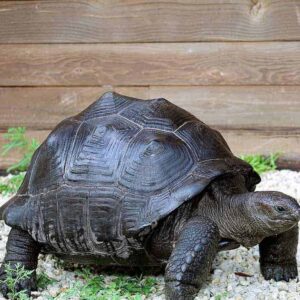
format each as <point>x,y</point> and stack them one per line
<point>221,296</point>
<point>132,285</point>
<point>43,280</point>
<point>12,185</point>
<point>262,163</point>
<point>95,287</point>
<point>17,140</point>
<point>14,274</point>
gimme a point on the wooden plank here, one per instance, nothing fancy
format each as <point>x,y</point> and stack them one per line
<point>240,141</point>
<point>290,162</point>
<point>43,108</point>
<point>263,141</point>
<point>273,63</point>
<point>94,21</point>
<point>240,107</point>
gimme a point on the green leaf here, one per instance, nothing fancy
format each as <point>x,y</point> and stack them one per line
<point>16,140</point>
<point>12,185</point>
<point>14,274</point>
<point>262,163</point>
<point>94,287</point>
<point>43,280</point>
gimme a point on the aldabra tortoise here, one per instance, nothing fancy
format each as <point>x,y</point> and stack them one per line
<point>133,182</point>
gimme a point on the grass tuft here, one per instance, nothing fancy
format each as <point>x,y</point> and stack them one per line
<point>16,139</point>
<point>95,287</point>
<point>221,296</point>
<point>14,274</point>
<point>12,185</point>
<point>262,163</point>
<point>43,280</point>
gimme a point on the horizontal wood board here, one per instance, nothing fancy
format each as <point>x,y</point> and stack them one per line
<point>240,107</point>
<point>271,63</point>
<point>94,21</point>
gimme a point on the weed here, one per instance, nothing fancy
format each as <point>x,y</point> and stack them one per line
<point>131,285</point>
<point>12,185</point>
<point>94,287</point>
<point>43,280</point>
<point>262,163</point>
<point>17,140</point>
<point>221,296</point>
<point>15,274</point>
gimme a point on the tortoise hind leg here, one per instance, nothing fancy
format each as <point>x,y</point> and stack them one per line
<point>21,251</point>
<point>191,259</point>
<point>278,256</point>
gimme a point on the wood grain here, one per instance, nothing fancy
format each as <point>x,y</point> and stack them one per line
<point>273,63</point>
<point>148,21</point>
<point>263,141</point>
<point>240,141</point>
<point>241,107</point>
<point>289,162</point>
<point>43,108</point>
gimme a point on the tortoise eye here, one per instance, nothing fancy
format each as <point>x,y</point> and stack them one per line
<point>280,208</point>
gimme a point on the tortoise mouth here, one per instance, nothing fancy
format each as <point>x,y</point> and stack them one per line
<point>228,244</point>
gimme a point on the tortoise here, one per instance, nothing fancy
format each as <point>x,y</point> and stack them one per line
<point>145,183</point>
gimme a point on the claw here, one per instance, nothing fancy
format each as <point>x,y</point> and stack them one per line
<point>279,272</point>
<point>179,291</point>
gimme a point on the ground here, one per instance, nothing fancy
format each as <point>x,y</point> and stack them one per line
<point>235,275</point>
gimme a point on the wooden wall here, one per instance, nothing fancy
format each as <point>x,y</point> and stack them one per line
<point>234,64</point>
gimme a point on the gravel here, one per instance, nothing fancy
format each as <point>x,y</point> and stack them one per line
<point>224,283</point>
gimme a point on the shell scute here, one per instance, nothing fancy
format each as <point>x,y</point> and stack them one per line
<point>157,113</point>
<point>153,161</point>
<point>205,142</point>
<point>98,150</point>
<point>108,104</point>
<point>48,165</point>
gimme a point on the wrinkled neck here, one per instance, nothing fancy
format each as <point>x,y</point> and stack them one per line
<point>234,212</point>
<point>249,230</point>
<point>233,216</point>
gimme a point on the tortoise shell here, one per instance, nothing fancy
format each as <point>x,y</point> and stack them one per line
<point>119,166</point>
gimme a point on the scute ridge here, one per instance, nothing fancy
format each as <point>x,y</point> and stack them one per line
<point>163,155</point>
<point>108,104</point>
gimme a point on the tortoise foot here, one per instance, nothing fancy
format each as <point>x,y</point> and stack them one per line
<point>179,291</point>
<point>279,272</point>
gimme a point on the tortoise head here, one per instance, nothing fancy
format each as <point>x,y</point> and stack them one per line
<point>265,214</point>
<point>274,212</point>
<point>248,217</point>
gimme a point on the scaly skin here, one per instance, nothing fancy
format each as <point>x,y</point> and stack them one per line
<point>191,259</point>
<point>23,250</point>
<point>278,256</point>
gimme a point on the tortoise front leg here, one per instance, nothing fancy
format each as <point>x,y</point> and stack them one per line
<point>278,256</point>
<point>21,251</point>
<point>191,259</point>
